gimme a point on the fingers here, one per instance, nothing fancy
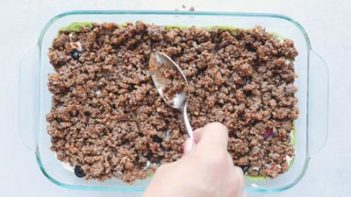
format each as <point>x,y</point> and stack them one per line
<point>213,135</point>
<point>239,179</point>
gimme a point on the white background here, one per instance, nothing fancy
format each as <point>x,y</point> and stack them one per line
<point>328,23</point>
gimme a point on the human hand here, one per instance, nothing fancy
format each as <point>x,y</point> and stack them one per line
<point>206,170</point>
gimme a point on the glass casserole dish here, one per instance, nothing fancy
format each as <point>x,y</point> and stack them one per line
<point>312,83</point>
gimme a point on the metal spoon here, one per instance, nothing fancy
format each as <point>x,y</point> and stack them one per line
<point>158,63</point>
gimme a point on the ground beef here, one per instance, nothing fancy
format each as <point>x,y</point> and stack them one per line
<point>107,117</point>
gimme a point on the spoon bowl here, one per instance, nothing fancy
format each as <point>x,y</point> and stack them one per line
<point>171,84</point>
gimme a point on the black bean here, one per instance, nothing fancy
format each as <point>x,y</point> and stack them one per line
<point>245,168</point>
<point>75,54</point>
<point>78,171</point>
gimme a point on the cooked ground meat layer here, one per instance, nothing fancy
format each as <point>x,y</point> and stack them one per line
<point>108,119</point>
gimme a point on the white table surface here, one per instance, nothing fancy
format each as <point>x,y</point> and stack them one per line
<point>328,23</point>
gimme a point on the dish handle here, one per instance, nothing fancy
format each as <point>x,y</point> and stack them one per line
<point>28,97</point>
<point>318,99</point>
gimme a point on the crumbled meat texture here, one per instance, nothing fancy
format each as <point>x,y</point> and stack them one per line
<point>107,117</point>
<point>173,86</point>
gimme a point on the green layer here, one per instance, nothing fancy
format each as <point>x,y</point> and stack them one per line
<point>256,178</point>
<point>170,27</point>
<point>277,36</point>
<point>77,26</point>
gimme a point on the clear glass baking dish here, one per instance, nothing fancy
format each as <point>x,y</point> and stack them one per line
<point>312,82</point>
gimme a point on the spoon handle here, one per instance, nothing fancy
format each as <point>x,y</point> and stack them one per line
<point>188,127</point>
